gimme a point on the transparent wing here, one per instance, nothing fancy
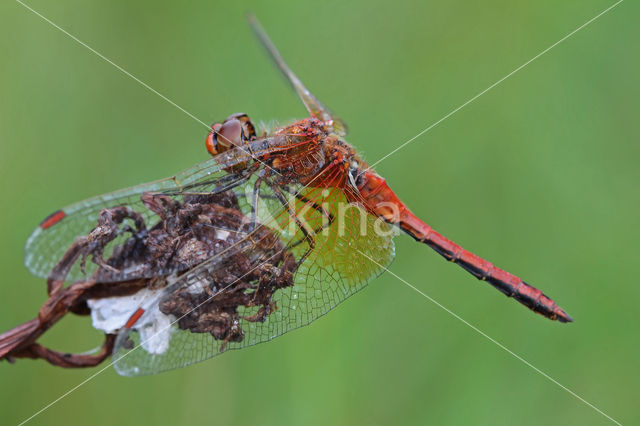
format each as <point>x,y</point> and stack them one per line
<point>314,106</point>
<point>51,241</point>
<point>273,280</point>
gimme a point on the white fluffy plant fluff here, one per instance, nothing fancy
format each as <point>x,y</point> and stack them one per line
<point>112,313</point>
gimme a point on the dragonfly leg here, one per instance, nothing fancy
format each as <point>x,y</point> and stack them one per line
<point>307,235</point>
<point>326,215</point>
<point>255,198</point>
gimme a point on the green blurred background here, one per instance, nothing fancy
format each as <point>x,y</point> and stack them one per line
<point>540,175</point>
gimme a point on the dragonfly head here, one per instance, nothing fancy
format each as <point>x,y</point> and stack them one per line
<point>236,130</point>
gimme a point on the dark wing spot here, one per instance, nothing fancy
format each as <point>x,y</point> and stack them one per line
<point>52,219</point>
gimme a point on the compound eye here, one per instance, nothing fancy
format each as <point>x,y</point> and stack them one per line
<point>248,129</point>
<point>212,142</point>
<point>229,135</point>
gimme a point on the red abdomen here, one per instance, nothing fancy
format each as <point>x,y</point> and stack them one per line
<point>380,200</point>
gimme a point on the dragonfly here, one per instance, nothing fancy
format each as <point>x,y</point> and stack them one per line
<point>312,225</point>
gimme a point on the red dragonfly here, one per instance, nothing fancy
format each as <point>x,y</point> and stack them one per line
<point>313,224</point>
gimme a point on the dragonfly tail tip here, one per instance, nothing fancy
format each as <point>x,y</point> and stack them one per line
<point>563,316</point>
